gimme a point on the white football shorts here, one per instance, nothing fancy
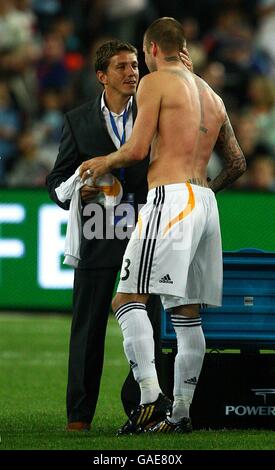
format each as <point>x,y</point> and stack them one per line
<point>175,250</point>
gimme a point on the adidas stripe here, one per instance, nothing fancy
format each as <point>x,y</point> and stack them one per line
<point>149,242</point>
<point>179,320</point>
<point>127,307</point>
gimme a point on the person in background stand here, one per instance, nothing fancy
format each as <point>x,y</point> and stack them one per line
<point>97,128</point>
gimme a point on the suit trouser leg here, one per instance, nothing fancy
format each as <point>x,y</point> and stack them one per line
<point>93,289</point>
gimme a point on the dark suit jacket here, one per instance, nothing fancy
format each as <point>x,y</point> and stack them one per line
<point>84,136</point>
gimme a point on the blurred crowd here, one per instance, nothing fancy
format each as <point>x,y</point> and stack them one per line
<point>46,68</point>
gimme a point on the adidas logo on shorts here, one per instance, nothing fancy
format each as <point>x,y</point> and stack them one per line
<point>166,279</point>
<point>192,381</point>
<point>132,364</point>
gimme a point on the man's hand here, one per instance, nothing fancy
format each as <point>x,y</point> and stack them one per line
<point>89,193</point>
<point>186,59</point>
<point>94,168</point>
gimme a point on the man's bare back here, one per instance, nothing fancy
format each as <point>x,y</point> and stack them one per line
<point>190,118</point>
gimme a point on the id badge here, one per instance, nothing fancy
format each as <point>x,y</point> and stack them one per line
<point>124,215</point>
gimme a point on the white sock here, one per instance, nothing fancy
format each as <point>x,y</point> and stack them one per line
<point>188,363</point>
<point>139,348</point>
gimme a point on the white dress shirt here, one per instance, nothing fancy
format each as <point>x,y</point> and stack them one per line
<point>118,120</point>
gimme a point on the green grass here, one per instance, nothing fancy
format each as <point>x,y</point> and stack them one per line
<point>33,373</point>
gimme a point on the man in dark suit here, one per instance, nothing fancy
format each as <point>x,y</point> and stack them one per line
<point>97,128</point>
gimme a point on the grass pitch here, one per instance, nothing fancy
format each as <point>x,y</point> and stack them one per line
<point>33,375</point>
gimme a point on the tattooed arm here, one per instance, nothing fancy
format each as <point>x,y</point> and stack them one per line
<point>233,158</point>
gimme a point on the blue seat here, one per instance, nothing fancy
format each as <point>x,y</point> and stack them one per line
<point>246,319</point>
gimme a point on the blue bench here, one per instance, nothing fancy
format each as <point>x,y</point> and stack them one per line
<point>246,319</point>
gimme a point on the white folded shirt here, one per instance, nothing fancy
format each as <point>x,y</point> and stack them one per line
<point>109,196</point>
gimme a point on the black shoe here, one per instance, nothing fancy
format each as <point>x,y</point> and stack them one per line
<point>183,426</point>
<point>146,415</point>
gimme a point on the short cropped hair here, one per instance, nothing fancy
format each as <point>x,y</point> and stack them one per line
<point>168,33</point>
<point>107,50</point>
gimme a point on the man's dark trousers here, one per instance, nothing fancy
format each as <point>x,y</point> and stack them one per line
<point>93,291</point>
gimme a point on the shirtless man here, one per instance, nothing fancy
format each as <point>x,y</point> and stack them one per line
<point>175,250</point>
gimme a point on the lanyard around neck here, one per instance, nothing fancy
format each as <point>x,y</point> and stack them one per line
<point>115,129</point>
<point>122,138</point>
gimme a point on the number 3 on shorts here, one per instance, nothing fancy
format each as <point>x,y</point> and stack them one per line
<point>126,270</point>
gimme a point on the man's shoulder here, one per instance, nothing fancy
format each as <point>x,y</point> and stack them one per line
<point>83,109</point>
<point>149,81</point>
<point>150,77</point>
<point>204,84</point>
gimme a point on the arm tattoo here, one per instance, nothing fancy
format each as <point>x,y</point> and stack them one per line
<point>234,161</point>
